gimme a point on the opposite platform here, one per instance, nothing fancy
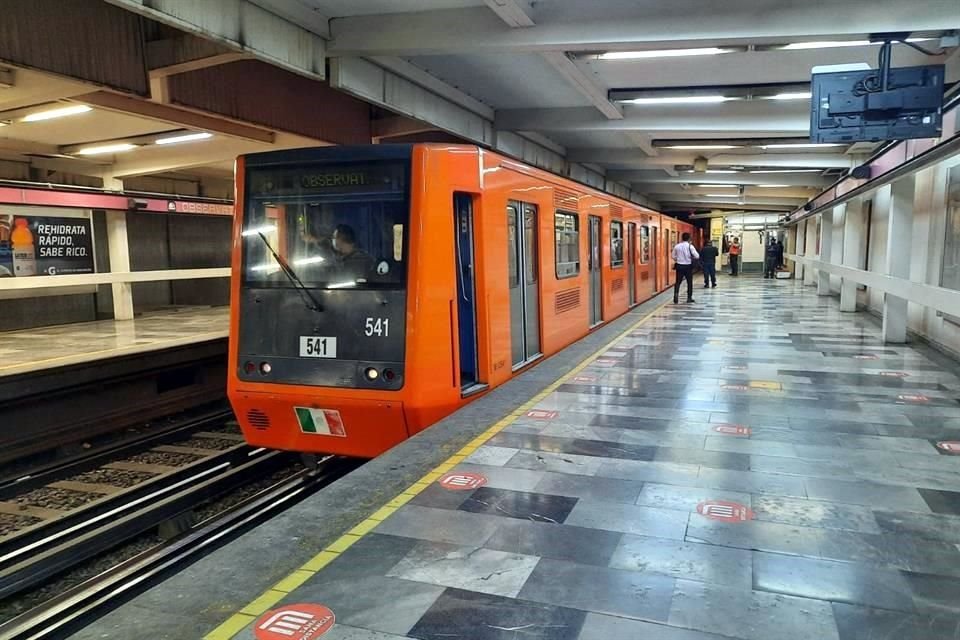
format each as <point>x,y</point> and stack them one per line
<point>755,466</point>
<point>31,350</point>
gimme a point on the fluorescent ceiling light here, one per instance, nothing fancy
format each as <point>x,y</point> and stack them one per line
<point>719,186</point>
<point>679,100</point>
<point>120,147</point>
<point>787,171</point>
<point>771,186</point>
<point>799,95</point>
<point>266,267</point>
<point>721,195</point>
<point>312,260</point>
<point>829,44</point>
<point>713,171</point>
<point>662,53</point>
<point>704,147</point>
<point>59,112</point>
<point>258,230</point>
<point>187,137</point>
<point>801,145</point>
<point>342,285</point>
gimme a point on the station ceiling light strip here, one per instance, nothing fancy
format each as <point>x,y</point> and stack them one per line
<point>60,112</point>
<point>187,137</point>
<point>830,44</point>
<point>106,148</point>
<point>664,53</point>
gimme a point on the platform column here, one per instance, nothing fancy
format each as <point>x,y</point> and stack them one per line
<point>810,251</point>
<point>119,250</point>
<point>853,231</point>
<point>801,240</point>
<point>828,221</point>
<point>899,199</point>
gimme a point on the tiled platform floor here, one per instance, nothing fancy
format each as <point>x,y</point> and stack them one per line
<point>588,527</point>
<point>57,346</point>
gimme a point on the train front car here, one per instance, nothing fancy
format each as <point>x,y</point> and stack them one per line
<point>317,340</point>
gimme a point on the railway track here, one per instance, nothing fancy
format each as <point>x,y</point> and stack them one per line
<point>67,612</point>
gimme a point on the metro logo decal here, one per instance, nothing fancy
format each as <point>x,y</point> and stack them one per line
<point>540,414</point>
<point>462,481</point>
<point>294,622</point>
<point>951,447</point>
<point>733,429</point>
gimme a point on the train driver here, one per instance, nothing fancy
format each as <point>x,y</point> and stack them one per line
<point>351,261</point>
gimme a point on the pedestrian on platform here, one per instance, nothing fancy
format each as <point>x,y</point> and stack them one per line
<point>708,260</point>
<point>780,262</point>
<point>772,260</point>
<point>735,257</point>
<point>683,256</point>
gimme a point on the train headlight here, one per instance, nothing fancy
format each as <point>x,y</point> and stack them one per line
<point>371,374</point>
<point>265,368</point>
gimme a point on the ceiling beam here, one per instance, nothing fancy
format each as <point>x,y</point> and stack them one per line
<point>516,13</point>
<point>430,82</point>
<point>584,28</point>
<point>175,115</point>
<point>746,119</point>
<point>582,83</point>
<point>186,53</point>
<point>651,180</point>
<point>630,158</point>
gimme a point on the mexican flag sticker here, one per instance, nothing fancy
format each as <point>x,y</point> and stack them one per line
<point>324,422</point>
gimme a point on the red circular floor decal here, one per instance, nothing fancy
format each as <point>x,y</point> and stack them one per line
<point>732,429</point>
<point>462,481</point>
<point>725,511</point>
<point>950,446</point>
<point>294,622</point>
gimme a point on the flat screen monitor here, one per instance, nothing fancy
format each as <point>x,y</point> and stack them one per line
<point>854,106</point>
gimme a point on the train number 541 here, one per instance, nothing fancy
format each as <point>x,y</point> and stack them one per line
<point>379,327</point>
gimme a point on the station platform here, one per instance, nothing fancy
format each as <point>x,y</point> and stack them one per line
<point>753,466</point>
<point>31,350</point>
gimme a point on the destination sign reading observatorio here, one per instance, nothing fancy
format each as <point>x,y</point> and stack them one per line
<point>363,178</point>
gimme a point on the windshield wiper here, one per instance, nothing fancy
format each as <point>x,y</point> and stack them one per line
<point>309,301</point>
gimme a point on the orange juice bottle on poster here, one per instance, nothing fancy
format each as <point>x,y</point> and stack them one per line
<point>24,253</point>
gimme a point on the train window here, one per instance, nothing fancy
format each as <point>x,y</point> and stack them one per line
<point>333,227</point>
<point>644,244</point>
<point>616,244</point>
<point>530,243</point>
<point>513,261</point>
<point>567,230</point>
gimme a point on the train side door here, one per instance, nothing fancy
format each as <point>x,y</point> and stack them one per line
<point>524,282</point>
<point>655,259</point>
<point>596,291</point>
<point>466,290</point>
<point>632,261</point>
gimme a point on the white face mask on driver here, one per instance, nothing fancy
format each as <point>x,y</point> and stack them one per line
<point>333,243</point>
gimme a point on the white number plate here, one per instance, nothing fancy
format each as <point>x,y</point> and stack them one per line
<point>318,347</point>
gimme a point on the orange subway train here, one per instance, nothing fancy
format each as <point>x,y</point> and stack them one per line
<point>379,288</point>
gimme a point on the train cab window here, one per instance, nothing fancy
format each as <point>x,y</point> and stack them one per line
<point>567,236</point>
<point>644,244</point>
<point>616,244</point>
<point>329,227</point>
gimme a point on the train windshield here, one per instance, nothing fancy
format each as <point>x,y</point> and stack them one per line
<point>326,226</point>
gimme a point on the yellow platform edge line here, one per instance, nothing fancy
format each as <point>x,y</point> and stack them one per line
<point>238,621</point>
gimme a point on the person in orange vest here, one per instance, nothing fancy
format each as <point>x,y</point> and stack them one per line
<point>735,257</point>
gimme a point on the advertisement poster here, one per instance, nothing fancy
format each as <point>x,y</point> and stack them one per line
<point>44,246</point>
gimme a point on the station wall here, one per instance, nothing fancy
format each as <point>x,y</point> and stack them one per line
<point>933,247</point>
<point>156,242</point>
